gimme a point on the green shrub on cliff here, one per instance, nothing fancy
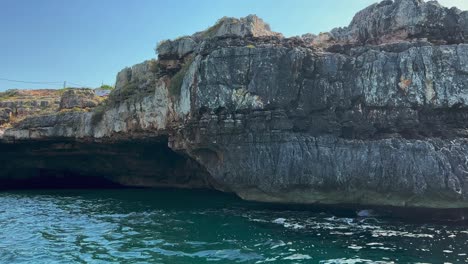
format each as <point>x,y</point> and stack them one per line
<point>74,110</point>
<point>129,89</point>
<point>176,83</point>
<point>98,114</point>
<point>61,91</point>
<point>211,31</point>
<point>178,79</point>
<point>8,94</point>
<point>154,66</point>
<point>106,87</point>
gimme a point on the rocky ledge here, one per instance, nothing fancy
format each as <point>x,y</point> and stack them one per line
<point>375,114</point>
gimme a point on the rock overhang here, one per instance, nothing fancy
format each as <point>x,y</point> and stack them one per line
<point>345,117</point>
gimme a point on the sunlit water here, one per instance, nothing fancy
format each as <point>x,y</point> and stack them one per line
<point>166,226</point>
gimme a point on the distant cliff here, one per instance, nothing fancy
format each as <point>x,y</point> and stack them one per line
<point>17,105</point>
<point>373,113</point>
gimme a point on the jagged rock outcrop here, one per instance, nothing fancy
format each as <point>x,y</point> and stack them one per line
<point>396,20</point>
<point>250,26</point>
<point>78,98</point>
<point>284,120</point>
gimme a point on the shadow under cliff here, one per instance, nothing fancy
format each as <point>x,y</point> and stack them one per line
<point>64,163</point>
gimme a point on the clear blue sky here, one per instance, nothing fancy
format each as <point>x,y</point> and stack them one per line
<point>89,41</point>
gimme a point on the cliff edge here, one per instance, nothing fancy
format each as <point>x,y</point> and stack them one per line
<point>374,113</point>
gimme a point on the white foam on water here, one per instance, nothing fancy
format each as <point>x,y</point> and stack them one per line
<point>279,221</point>
<point>353,261</point>
<point>282,221</point>
<point>374,244</point>
<point>298,257</point>
<point>384,248</point>
<point>393,233</point>
<point>342,233</point>
<point>279,244</point>
<point>267,260</point>
<point>355,247</point>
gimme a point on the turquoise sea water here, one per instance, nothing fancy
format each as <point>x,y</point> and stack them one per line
<point>174,226</point>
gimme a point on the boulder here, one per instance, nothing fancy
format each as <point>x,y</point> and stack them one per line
<point>176,48</point>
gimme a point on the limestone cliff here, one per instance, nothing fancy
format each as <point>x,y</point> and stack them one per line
<point>374,113</point>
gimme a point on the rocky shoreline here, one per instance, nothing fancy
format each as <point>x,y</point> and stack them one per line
<point>371,114</point>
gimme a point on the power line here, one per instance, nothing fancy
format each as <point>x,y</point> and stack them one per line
<point>10,80</point>
<point>36,82</point>
<point>78,84</point>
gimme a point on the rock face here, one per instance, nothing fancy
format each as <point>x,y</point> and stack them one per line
<point>334,120</point>
<point>250,26</point>
<point>78,98</point>
<point>392,21</point>
<point>4,115</point>
<point>21,103</point>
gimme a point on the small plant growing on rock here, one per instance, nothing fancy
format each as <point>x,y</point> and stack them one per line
<point>178,79</point>
<point>154,66</point>
<point>106,87</point>
<point>98,114</point>
<point>128,89</point>
<point>61,91</point>
<point>211,31</point>
<point>8,94</point>
<point>176,83</point>
<point>75,110</point>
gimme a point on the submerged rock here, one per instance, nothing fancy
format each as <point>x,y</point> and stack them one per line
<point>366,213</point>
<point>331,119</point>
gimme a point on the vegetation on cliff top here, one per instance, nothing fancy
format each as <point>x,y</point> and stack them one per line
<point>154,66</point>
<point>106,87</point>
<point>211,31</point>
<point>8,94</point>
<point>21,104</point>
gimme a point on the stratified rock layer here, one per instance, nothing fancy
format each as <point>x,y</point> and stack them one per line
<point>307,120</point>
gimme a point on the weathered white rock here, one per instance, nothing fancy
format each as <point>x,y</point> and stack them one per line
<point>250,26</point>
<point>176,48</point>
<point>396,20</point>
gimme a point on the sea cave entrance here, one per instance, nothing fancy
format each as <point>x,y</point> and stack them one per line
<point>64,163</point>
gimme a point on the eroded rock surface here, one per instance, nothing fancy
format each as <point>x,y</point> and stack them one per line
<point>395,20</point>
<point>375,113</point>
<point>78,98</point>
<point>250,26</point>
<point>21,103</point>
<point>4,115</point>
